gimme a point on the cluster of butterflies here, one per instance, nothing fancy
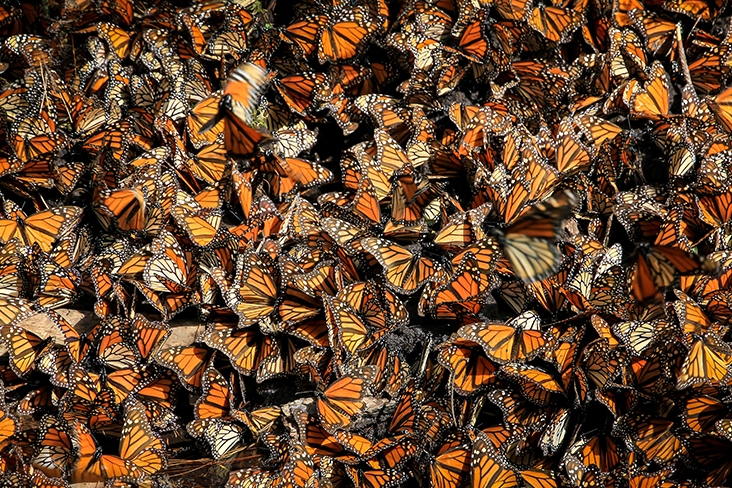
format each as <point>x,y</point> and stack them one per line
<point>434,243</point>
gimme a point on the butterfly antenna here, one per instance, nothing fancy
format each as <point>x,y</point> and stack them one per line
<point>693,27</point>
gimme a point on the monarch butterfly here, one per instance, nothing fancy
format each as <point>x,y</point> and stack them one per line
<point>706,363</point>
<point>450,465</point>
<point>378,305</point>
<point>651,375</point>
<point>250,478</point>
<point>344,233</point>
<point>121,10</point>
<point>627,51</point>
<point>601,362</point>
<point>240,96</point>
<point>519,339</point>
<point>316,363</point>
<point>188,362</point>
<point>39,399</point>
<point>580,475</point>
<point>165,265</point>
<point>656,267</point>
<point>115,138</point>
<point>390,155</point>
<point>463,228</point>
<point>572,155</point>
<point>255,290</point>
<point>362,207</point>
<point>472,41</point>
<point>391,374</point>
<point>299,467</point>
<point>600,451</point>
<point>206,113</point>
<point>291,141</point>
<point>222,437</point>
<point>250,351</point>
<point>655,437</point>
<point>460,291</point>
<point>471,370</point>
<point>410,196</point>
<point>652,102</point>
<point>89,401</point>
<point>209,164</point>
<point>14,310</point>
<point>703,10</point>
<point>720,105</point>
<point>404,270</point>
<point>535,384</point>
<point>36,138</point>
<point>553,437</point>
<point>55,456</point>
<point>55,362</point>
<point>299,90</point>
<point>233,40</point>
<point>23,346</point>
<point>304,33</point>
<point>516,410</point>
<point>259,421</point>
<point>13,101</point>
<point>199,216</point>
<point>123,383</point>
<point>488,467</point>
<point>139,443</point>
<point>351,78</point>
<point>724,428</point>
<point>598,130</point>
<point>701,413</point>
<point>43,228</point>
<point>113,348</point>
<point>383,109</point>
<point>298,174</point>
<point>538,478</point>
<point>117,39</point>
<point>243,87</point>
<point>148,336</point>
<point>320,442</point>
<point>298,306</point>
<point>214,402</point>
<point>529,240</point>
<point>339,107</point>
<point>486,252</point>
<point>286,360</point>
<point>385,478</point>
<point>91,466</point>
<point>57,286</point>
<point>361,165</point>
<point>343,35</point>
<point>8,425</point>
<point>393,452</point>
<point>168,304</point>
<point>341,401</point>
<point>346,326</point>
<point>639,335</point>
<point>126,206</point>
<point>41,480</point>
<point>126,344</point>
<point>87,116</point>
<point>692,318</point>
<point>714,210</point>
<point>555,23</point>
